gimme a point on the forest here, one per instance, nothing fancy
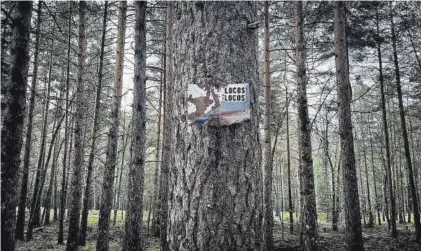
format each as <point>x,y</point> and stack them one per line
<point>210,125</point>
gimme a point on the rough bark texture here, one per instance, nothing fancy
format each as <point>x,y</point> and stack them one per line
<point>63,192</point>
<point>413,189</point>
<point>133,223</point>
<point>95,129</point>
<point>20,223</point>
<point>392,221</point>
<point>308,195</point>
<point>168,129</point>
<point>76,185</point>
<point>353,234</point>
<point>267,145</point>
<point>216,180</point>
<point>111,159</point>
<point>13,120</point>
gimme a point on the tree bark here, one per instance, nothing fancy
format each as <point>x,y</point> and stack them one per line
<point>133,224</point>
<point>417,222</point>
<point>267,143</point>
<point>308,195</point>
<point>13,121</point>
<point>388,167</point>
<point>111,159</point>
<point>34,218</point>
<point>290,201</point>
<point>215,181</point>
<point>353,234</point>
<point>95,129</point>
<point>168,130</point>
<point>80,103</point>
<point>20,223</point>
<point>63,192</point>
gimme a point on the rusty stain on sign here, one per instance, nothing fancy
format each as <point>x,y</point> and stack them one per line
<point>225,106</point>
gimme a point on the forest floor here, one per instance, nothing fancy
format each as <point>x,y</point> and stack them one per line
<point>376,238</point>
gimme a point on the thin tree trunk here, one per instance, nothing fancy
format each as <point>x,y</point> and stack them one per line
<point>111,159</point>
<point>417,222</point>
<point>370,212</point>
<point>76,185</point>
<point>393,230</point>
<point>290,203</point>
<point>13,122</point>
<point>168,130</point>
<point>95,129</point>
<point>48,197</point>
<point>63,192</point>
<point>133,225</point>
<point>308,195</point>
<point>154,206</point>
<point>20,223</point>
<point>352,213</point>
<point>374,175</point>
<point>267,143</point>
<point>34,218</point>
<point>125,140</point>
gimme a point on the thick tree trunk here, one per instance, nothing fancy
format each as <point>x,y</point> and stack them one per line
<point>63,192</point>
<point>308,195</point>
<point>352,205</point>
<point>267,143</point>
<point>76,185</point>
<point>95,129</point>
<point>215,181</point>
<point>20,224</point>
<point>13,121</point>
<point>133,224</point>
<point>388,167</point>
<point>417,222</point>
<point>111,159</point>
<point>168,130</point>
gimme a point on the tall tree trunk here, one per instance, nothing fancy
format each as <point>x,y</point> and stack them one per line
<point>158,148</point>
<point>290,202</point>
<point>95,129</point>
<point>215,181</point>
<point>111,159</point>
<point>370,211</point>
<point>133,225</point>
<point>13,121</point>
<point>308,195</point>
<point>48,197</point>
<point>267,143</point>
<point>388,166</point>
<point>373,166</point>
<point>168,129</point>
<point>34,218</point>
<point>124,139</point>
<point>352,205</point>
<point>20,224</point>
<point>417,222</point>
<point>76,186</point>
<point>63,192</point>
